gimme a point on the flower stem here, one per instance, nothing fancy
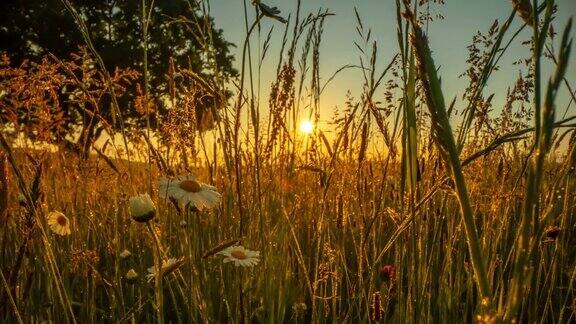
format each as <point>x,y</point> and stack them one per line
<point>158,275</point>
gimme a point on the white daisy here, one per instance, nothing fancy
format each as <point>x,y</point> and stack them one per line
<point>142,208</point>
<point>59,223</point>
<point>240,256</point>
<point>168,266</point>
<point>188,191</point>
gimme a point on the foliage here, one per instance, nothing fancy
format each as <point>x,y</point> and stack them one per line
<point>179,36</point>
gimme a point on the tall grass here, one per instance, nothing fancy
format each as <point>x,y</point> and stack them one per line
<point>400,215</point>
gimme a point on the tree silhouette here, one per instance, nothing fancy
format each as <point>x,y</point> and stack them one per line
<point>179,35</point>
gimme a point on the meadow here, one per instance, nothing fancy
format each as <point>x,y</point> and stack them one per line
<point>416,207</point>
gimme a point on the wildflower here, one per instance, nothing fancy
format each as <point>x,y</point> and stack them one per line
<point>189,192</point>
<point>168,266</point>
<point>59,223</point>
<point>267,11</point>
<point>388,272</point>
<point>240,256</point>
<point>125,254</point>
<point>142,208</point>
<point>131,276</point>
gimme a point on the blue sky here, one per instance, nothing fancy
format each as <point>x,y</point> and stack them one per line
<point>448,40</point>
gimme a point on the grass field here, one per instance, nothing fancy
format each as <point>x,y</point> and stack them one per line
<point>414,208</point>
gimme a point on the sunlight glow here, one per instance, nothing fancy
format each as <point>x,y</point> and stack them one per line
<point>306,126</point>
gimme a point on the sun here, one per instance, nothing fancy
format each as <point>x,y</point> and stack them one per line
<point>306,126</point>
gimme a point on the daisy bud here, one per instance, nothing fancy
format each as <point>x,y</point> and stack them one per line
<point>22,200</point>
<point>125,254</point>
<point>131,276</point>
<point>142,208</point>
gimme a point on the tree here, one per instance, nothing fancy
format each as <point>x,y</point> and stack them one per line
<point>180,35</point>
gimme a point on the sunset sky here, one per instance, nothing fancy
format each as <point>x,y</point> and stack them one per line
<point>449,38</point>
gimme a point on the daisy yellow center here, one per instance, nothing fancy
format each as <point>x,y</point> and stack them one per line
<point>61,220</point>
<point>238,254</point>
<point>190,186</point>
